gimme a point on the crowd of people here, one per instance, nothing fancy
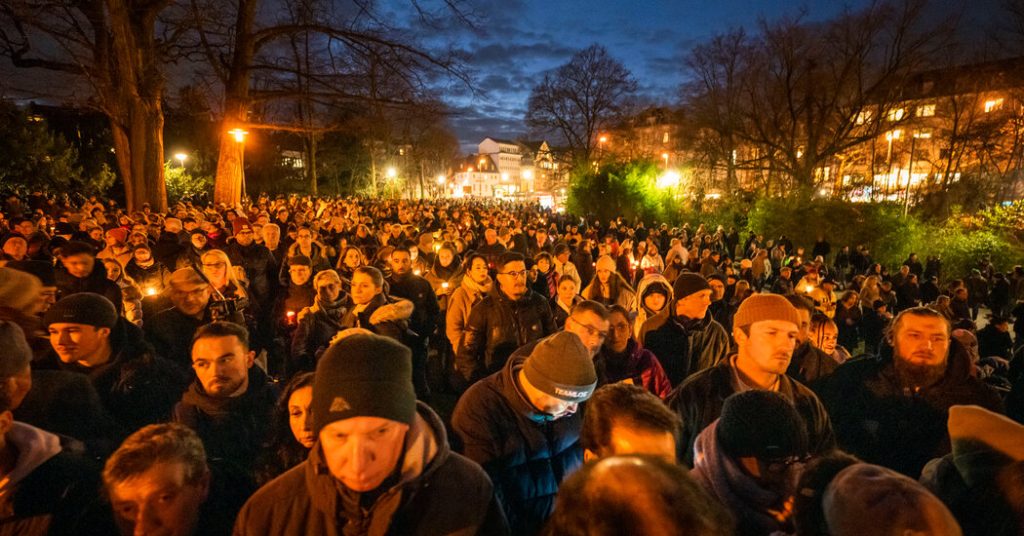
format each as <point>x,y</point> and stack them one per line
<point>354,366</point>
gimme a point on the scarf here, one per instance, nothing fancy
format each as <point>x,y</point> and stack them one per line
<point>757,510</point>
<point>552,279</point>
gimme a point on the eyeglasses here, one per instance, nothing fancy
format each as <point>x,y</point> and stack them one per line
<point>520,273</point>
<point>591,330</point>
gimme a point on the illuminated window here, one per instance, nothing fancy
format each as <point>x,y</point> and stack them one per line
<point>923,134</point>
<point>896,114</point>
<point>664,139</point>
<point>992,105</point>
<point>893,135</point>
<point>863,117</point>
<point>926,110</point>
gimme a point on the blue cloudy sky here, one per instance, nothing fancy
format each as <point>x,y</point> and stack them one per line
<point>515,41</point>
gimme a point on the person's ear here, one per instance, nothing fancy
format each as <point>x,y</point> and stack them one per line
<point>589,456</point>
<point>250,358</point>
<point>6,422</point>
<point>204,484</point>
<point>739,336</point>
<point>103,332</point>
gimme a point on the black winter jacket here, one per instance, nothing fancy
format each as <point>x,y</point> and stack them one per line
<point>233,429</point>
<point>684,346</point>
<point>881,422</point>
<point>95,282</point>
<point>698,401</point>
<point>526,456</point>
<point>497,326</point>
<point>260,269</point>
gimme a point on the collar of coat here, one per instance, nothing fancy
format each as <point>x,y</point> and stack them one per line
<point>425,450</point>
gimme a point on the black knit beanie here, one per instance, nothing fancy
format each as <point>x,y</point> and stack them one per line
<point>761,424</point>
<point>363,375</point>
<point>560,366</point>
<point>688,283</point>
<point>85,308</point>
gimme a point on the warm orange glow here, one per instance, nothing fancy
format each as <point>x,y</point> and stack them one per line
<point>239,134</point>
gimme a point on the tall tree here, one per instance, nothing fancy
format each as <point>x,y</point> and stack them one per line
<point>111,45</point>
<point>249,49</point>
<point>578,99</point>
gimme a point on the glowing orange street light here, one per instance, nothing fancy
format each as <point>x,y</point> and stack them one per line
<point>603,139</point>
<point>238,134</point>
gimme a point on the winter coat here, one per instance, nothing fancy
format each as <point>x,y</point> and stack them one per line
<point>260,268</point>
<point>235,428</point>
<point>496,327</point>
<point>426,312</point>
<point>976,484</point>
<point>626,296</point>
<point>396,329</point>
<point>882,422</point>
<point>171,331</point>
<point>155,276</point>
<point>134,385</point>
<point>460,304</point>
<point>526,455</point>
<point>992,342</point>
<point>637,366</point>
<point>809,364</point>
<point>48,488</point>
<point>438,493</point>
<point>96,282</point>
<point>317,326</point>
<point>684,346</point>
<point>699,402</point>
<point>167,249</point>
<point>66,403</point>
<point>642,313</point>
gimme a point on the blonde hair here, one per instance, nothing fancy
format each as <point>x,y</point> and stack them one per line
<point>220,256</point>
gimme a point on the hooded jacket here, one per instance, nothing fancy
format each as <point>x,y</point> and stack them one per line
<point>260,269</point>
<point>233,429</point>
<point>637,366</point>
<point>526,455</point>
<point>684,346</point>
<point>47,489</point>
<point>699,402</point>
<point>881,422</point>
<point>318,324</point>
<point>460,304</point>
<point>496,327</point>
<point>642,313</point>
<point>437,492</point>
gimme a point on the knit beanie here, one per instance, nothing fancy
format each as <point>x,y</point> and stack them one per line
<point>761,424</point>
<point>16,355</point>
<point>689,283</point>
<point>118,233</point>
<point>560,366</point>
<point>760,307</point>
<point>85,308</point>
<point>240,224</point>
<point>18,289</point>
<point>973,428</point>
<point>868,499</point>
<point>41,269</point>
<point>300,260</point>
<point>363,375</point>
<point>605,262</point>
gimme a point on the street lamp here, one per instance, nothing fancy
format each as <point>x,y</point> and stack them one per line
<point>392,173</point>
<point>181,157</point>
<point>670,179</point>
<point>441,180</point>
<point>665,156</point>
<point>239,135</point>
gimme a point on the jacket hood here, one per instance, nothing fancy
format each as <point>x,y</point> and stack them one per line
<point>35,447</point>
<point>425,450</point>
<point>649,281</point>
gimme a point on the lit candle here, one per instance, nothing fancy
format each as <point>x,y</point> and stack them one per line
<point>416,272</point>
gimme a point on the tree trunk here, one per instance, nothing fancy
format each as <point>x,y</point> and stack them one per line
<point>229,185</point>
<point>139,149</point>
<point>311,164</point>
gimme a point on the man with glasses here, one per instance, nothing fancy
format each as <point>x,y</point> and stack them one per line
<point>521,425</point>
<point>766,328</point>
<point>258,262</point>
<point>756,449</point>
<point>509,317</point>
<point>171,330</point>
<point>230,402</point>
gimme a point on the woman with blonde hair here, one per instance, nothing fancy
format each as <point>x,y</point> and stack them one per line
<point>869,291</point>
<point>131,294</point>
<point>222,275</point>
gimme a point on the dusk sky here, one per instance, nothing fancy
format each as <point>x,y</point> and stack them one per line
<point>517,40</point>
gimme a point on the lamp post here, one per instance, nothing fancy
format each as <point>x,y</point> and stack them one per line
<point>239,135</point>
<point>181,158</point>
